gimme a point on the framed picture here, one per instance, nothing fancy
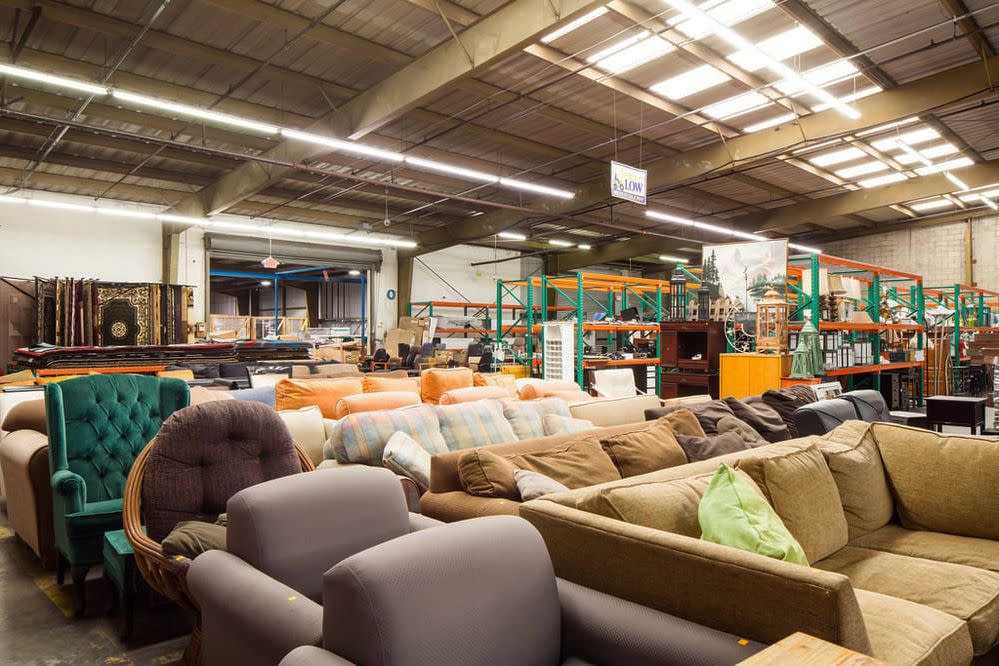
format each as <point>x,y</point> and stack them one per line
<point>744,271</point>
<point>827,390</point>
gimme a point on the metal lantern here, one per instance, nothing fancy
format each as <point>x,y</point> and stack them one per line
<point>703,303</point>
<point>771,323</point>
<point>678,295</point>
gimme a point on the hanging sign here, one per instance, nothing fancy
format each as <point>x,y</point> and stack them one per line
<point>628,182</point>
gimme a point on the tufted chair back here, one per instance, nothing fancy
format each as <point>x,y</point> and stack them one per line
<point>98,425</point>
<point>205,454</point>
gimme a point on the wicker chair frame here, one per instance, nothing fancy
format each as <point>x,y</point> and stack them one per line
<point>167,575</point>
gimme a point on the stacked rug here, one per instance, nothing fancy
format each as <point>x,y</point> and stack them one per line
<point>49,357</point>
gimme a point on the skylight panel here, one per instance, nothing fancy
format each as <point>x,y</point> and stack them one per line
<point>974,197</point>
<point>779,47</point>
<point>887,126</point>
<point>932,152</point>
<point>862,169</point>
<point>690,82</point>
<point>932,204</point>
<point>734,106</point>
<point>877,181</point>
<point>572,25</point>
<point>630,53</point>
<point>728,13</point>
<point>837,157</point>
<point>820,76</point>
<point>913,138</point>
<point>945,166</point>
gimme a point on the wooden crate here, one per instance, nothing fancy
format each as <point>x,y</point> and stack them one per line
<point>744,375</point>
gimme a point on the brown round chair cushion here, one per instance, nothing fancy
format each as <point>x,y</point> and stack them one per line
<point>205,454</point>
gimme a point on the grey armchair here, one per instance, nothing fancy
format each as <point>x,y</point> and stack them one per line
<point>489,596</point>
<point>820,417</point>
<point>261,597</point>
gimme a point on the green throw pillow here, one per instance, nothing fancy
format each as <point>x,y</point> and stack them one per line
<point>192,537</point>
<point>734,513</point>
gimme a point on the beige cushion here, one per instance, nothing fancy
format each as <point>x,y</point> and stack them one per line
<point>969,551</point>
<point>605,412</point>
<point>26,415</point>
<point>307,429</point>
<point>966,593</point>
<point>942,483</point>
<point>201,394</point>
<point>683,422</point>
<point>578,463</point>
<point>853,458</point>
<point>647,448</point>
<point>802,492</point>
<point>909,634</point>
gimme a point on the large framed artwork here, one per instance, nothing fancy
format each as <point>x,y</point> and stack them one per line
<point>744,271</point>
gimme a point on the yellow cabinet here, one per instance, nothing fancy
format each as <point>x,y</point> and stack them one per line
<point>751,374</point>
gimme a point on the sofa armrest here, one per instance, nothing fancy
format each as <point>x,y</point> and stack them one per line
<point>459,505</point>
<point>313,656</point>
<point>419,522</point>
<point>725,588</point>
<point>247,616</point>
<point>70,488</point>
<point>600,629</point>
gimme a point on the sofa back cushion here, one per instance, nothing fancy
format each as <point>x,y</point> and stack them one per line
<point>434,382</point>
<point>604,412</point>
<point>473,394</point>
<point>578,463</point>
<point>542,388</point>
<point>361,438</point>
<point>681,421</point>
<point>855,462</point>
<point>786,400</point>
<point>801,489</point>
<point>372,402</point>
<point>472,424</point>
<point>502,380</point>
<point>943,483</point>
<point>485,474</point>
<point>761,417</point>
<point>648,447</point>
<point>307,430</point>
<point>375,384</point>
<point>334,370</point>
<point>321,392</point>
<point>526,417</point>
<point>708,413</point>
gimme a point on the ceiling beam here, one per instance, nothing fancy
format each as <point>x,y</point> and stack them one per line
<point>912,98</point>
<point>969,26</point>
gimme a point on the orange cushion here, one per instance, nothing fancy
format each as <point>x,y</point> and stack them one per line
<point>371,402</point>
<point>435,382</point>
<point>324,393</point>
<point>376,384</point>
<point>544,389</point>
<point>505,381</point>
<point>571,396</point>
<point>473,393</point>
<point>177,374</point>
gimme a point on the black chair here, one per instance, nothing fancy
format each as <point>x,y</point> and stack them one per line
<point>486,361</point>
<point>869,404</point>
<point>820,417</point>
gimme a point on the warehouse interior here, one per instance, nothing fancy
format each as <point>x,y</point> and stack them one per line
<point>676,322</point>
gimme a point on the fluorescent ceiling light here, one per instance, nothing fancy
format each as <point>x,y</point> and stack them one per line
<point>820,76</point>
<point>511,235</point>
<point>195,112</point>
<point>779,47</point>
<point>51,79</point>
<point>862,169</point>
<point>584,246</point>
<point>559,243</point>
<point>852,97</point>
<point>534,187</point>
<point>353,272</point>
<point>728,13</point>
<point>910,156</point>
<point>989,202</point>
<point>706,226</point>
<point>630,53</point>
<point>972,197</point>
<point>572,25</point>
<point>913,138</point>
<point>887,126</point>
<point>666,257</point>
<point>666,217</point>
<point>778,68</point>
<point>957,181</point>
<point>773,122</point>
<point>736,106</point>
<point>341,146</point>
<point>690,82</point>
<point>265,283</point>
<point>945,166</point>
<point>805,248</point>
<point>932,204</point>
<point>837,157</point>
<point>452,170</point>
<point>878,181</point>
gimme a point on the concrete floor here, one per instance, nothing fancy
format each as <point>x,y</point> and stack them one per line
<point>35,627</point>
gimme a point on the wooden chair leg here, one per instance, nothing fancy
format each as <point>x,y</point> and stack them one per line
<point>79,575</point>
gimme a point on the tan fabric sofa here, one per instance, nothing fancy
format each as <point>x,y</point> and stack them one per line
<point>901,527</point>
<point>24,465</point>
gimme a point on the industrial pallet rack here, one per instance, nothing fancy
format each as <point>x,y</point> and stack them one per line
<point>469,309</point>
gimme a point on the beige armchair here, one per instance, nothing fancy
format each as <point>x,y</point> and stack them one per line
<point>24,465</point>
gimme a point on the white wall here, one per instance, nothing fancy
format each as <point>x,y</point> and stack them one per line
<point>384,312</point>
<point>447,275</point>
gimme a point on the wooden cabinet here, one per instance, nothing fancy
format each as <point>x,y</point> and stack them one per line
<point>743,375</point>
<point>681,384</point>
<point>681,341</point>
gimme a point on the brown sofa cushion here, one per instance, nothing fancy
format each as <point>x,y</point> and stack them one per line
<point>579,463</point>
<point>853,458</point>
<point>742,429</point>
<point>761,417</point>
<point>711,446</point>
<point>784,401</point>
<point>647,448</point>
<point>682,421</point>
<point>26,415</point>
<point>486,474</point>
<point>943,483</point>
<point>969,551</point>
<point>802,491</point>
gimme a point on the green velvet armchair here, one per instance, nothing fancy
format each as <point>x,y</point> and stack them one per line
<point>97,426</point>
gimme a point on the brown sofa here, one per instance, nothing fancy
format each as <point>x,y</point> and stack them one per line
<point>24,464</point>
<point>900,525</point>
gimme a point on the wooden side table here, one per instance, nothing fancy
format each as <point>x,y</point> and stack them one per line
<point>804,650</point>
<point>955,410</point>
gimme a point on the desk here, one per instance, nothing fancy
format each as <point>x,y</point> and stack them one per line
<point>955,410</point>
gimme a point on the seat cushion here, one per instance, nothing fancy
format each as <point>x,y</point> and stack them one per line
<point>969,551</point>
<point>855,462</point>
<point>802,491</point>
<point>760,417</point>
<point>969,594</point>
<point>435,382</point>
<point>472,424</point>
<point>648,447</point>
<point>324,393</point>
<point>909,634</point>
<point>526,417</point>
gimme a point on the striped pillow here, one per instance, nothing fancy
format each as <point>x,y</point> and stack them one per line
<point>361,438</point>
<point>471,424</point>
<point>525,416</point>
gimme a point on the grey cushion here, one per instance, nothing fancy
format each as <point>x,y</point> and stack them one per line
<point>708,413</point>
<point>869,404</point>
<point>266,395</point>
<point>712,446</point>
<point>818,418</point>
<point>295,529</point>
<point>473,592</point>
<point>761,417</point>
<point>533,485</point>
